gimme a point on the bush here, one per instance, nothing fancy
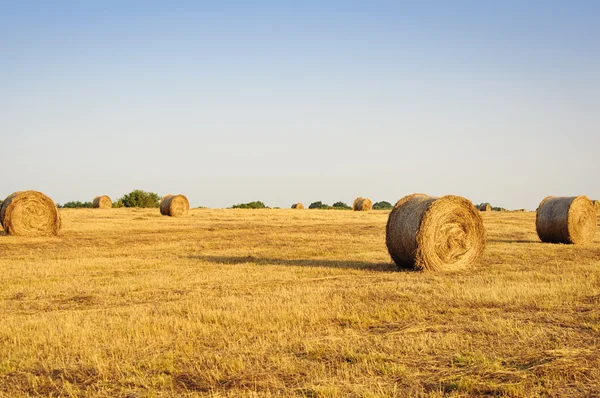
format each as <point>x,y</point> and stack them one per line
<point>341,206</point>
<point>324,206</point>
<point>118,204</point>
<point>250,205</point>
<point>318,205</point>
<point>383,205</point>
<point>76,205</point>
<point>139,198</point>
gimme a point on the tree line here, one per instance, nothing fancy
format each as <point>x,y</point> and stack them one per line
<point>143,199</point>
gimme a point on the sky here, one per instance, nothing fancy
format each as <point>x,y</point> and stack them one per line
<point>279,101</point>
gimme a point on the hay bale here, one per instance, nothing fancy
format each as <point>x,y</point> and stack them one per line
<point>436,234</point>
<point>596,204</point>
<point>174,206</point>
<point>485,207</point>
<point>566,220</point>
<point>362,204</point>
<point>102,202</point>
<point>298,206</point>
<point>29,213</point>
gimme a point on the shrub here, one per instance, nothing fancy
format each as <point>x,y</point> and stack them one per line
<point>250,205</point>
<point>341,206</point>
<point>383,205</point>
<point>318,205</point>
<point>76,205</point>
<point>139,198</point>
<point>324,206</point>
<point>118,204</point>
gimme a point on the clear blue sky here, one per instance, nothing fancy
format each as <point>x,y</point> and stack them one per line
<point>283,101</point>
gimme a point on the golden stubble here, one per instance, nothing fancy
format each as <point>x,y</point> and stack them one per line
<point>280,302</point>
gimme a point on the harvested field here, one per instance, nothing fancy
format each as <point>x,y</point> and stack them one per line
<point>281,302</point>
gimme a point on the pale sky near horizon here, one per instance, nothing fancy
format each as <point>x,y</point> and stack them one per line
<point>283,102</point>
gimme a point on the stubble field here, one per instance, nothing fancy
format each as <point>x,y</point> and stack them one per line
<point>290,303</point>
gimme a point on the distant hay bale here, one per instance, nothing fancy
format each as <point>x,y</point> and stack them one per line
<point>174,206</point>
<point>362,204</point>
<point>485,207</point>
<point>298,206</point>
<point>29,213</point>
<point>436,234</point>
<point>566,220</point>
<point>102,202</point>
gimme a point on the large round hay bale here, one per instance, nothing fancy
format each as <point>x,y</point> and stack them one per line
<point>29,213</point>
<point>566,220</point>
<point>362,204</point>
<point>485,207</point>
<point>174,206</point>
<point>102,202</point>
<point>437,234</point>
<point>298,206</point>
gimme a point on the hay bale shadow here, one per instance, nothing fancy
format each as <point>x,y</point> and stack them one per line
<point>359,265</point>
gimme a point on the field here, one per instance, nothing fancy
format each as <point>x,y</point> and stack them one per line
<point>290,302</point>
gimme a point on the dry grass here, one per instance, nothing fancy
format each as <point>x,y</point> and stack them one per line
<point>279,302</point>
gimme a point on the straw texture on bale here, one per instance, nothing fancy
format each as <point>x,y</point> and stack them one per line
<point>29,213</point>
<point>596,205</point>
<point>436,234</point>
<point>485,207</point>
<point>362,204</point>
<point>102,202</point>
<point>298,206</point>
<point>566,220</point>
<point>174,206</point>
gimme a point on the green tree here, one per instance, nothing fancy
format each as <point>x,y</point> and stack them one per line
<point>383,205</point>
<point>341,206</point>
<point>250,205</point>
<point>77,205</point>
<point>139,198</point>
<point>318,205</point>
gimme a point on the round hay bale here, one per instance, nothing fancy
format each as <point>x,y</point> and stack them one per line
<point>298,206</point>
<point>362,204</point>
<point>566,220</point>
<point>102,202</point>
<point>596,204</point>
<point>436,234</point>
<point>485,207</point>
<point>29,213</point>
<point>174,206</point>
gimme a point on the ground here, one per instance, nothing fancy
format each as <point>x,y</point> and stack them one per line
<point>290,303</point>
